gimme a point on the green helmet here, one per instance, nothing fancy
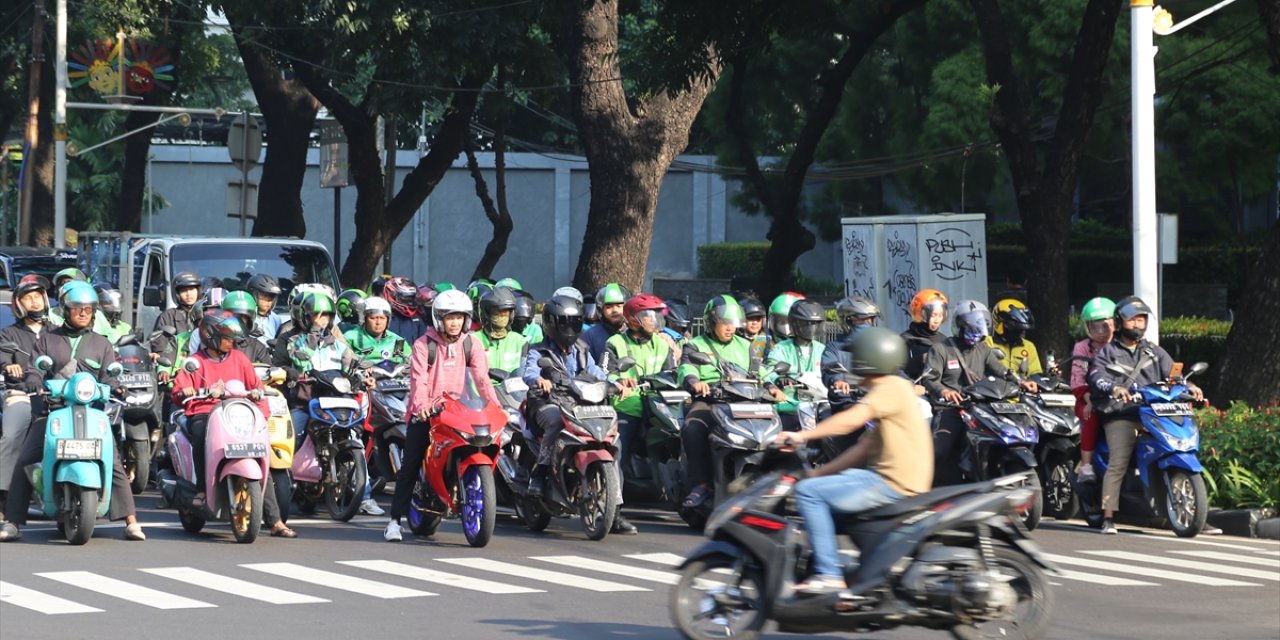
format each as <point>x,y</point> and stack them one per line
<point>240,303</point>
<point>509,283</point>
<point>722,308</point>
<point>876,351</point>
<point>612,293</point>
<point>70,273</point>
<point>1098,309</point>
<point>443,286</point>
<point>349,302</point>
<point>779,312</point>
<point>314,304</point>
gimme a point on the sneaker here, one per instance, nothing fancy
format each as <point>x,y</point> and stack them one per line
<point>392,532</point>
<point>370,507</point>
<point>1210,530</point>
<point>1086,474</point>
<point>134,532</point>
<point>622,526</point>
<point>9,532</point>
<point>1108,527</point>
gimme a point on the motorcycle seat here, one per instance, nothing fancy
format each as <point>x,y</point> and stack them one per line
<point>914,503</point>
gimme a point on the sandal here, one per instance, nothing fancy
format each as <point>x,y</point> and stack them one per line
<point>697,497</point>
<point>819,585</point>
<point>198,501</point>
<point>283,532</point>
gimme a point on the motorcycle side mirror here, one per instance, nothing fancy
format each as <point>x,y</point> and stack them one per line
<point>1025,368</point>
<point>546,363</point>
<point>168,330</point>
<point>10,347</point>
<point>164,362</point>
<point>1199,367</point>
<point>699,358</point>
<point>276,376</point>
<point>626,364</point>
<point>782,368</point>
<point>126,340</point>
<point>1000,353</point>
<point>1117,369</point>
<point>115,369</point>
<point>43,364</point>
<point>191,365</point>
<point>498,375</point>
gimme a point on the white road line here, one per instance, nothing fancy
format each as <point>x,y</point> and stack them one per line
<point>42,602</point>
<point>1233,557</point>
<point>125,590</point>
<point>1226,545</point>
<point>234,586</point>
<point>336,580</point>
<point>554,577</point>
<point>1148,572</point>
<point>670,559</point>
<point>1188,564</point>
<point>651,575</point>
<point>438,577</point>
<point>1269,553</point>
<point>1110,581</point>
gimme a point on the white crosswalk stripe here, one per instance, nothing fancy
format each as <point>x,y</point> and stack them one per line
<point>614,568</point>
<point>42,602</point>
<point>1097,578</point>
<point>1188,564</point>
<point>438,577</point>
<point>336,580</point>
<point>670,559</point>
<point>1231,557</point>
<point>554,577</point>
<point>137,594</point>
<point>1147,571</point>
<point>234,586</point>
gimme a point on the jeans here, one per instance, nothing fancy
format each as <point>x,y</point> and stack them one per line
<point>696,438</point>
<point>850,491</point>
<point>17,419</point>
<point>548,419</point>
<point>630,436</point>
<point>1121,436</point>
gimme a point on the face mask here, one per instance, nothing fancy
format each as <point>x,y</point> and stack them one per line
<point>1131,334</point>
<point>972,337</point>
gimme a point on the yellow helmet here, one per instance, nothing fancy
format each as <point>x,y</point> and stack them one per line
<point>1012,314</point>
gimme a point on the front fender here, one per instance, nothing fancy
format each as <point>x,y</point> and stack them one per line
<point>1187,461</point>
<point>584,459</point>
<point>712,548</point>
<point>86,473</point>
<point>477,458</point>
<point>251,468</point>
<point>1025,455</point>
<point>1006,530</point>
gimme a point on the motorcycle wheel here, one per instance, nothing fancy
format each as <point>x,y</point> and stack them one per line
<point>191,522</point>
<point>536,517</point>
<point>421,522</point>
<point>479,510</point>
<point>1031,614</point>
<point>244,497</point>
<point>1030,517</point>
<point>137,465</point>
<point>712,601</point>
<point>343,496</point>
<point>283,482</point>
<point>82,512</point>
<point>1185,502</point>
<point>599,504</point>
<point>1060,500</point>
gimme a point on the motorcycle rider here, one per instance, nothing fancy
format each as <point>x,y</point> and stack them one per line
<point>265,291</point>
<point>1013,321</point>
<point>1098,317</point>
<point>440,359</point>
<point>371,339</point>
<point>509,283</point>
<point>802,351</point>
<point>317,348</point>
<point>186,290</point>
<point>107,321</point>
<point>956,363</point>
<point>722,317</point>
<point>522,321</point>
<point>30,304</point>
<point>677,324</point>
<point>753,327</point>
<point>610,300</point>
<point>1149,364</point>
<point>242,306</point>
<point>856,314</point>
<point>505,347</point>
<point>928,313</point>
<point>59,279</point>
<point>402,295</point>
<point>895,454</point>
<point>779,320</point>
<point>349,303</point>
<point>73,347</point>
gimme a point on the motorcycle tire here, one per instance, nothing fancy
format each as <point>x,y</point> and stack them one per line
<point>137,465</point>
<point>1030,517</point>
<point>1035,602</point>
<point>1186,503</point>
<point>244,499</point>
<point>283,485</point>
<point>1060,499</point>
<point>191,522</point>
<point>599,503</point>
<point>711,585</point>
<point>536,517</point>
<point>82,513</point>
<point>343,495</point>
<point>478,509</point>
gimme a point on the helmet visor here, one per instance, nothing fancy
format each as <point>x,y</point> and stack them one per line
<point>806,329</point>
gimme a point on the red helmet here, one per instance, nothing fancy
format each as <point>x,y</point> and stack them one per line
<point>639,303</point>
<point>403,296</point>
<point>32,282</point>
<point>426,296</point>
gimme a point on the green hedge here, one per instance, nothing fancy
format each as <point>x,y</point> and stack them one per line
<point>1240,451</point>
<point>731,259</point>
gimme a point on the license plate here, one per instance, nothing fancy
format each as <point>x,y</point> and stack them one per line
<point>245,450</point>
<point>128,379</point>
<point>755,410</point>
<point>278,405</point>
<point>392,386</point>
<point>595,411</point>
<point>1169,409</point>
<point>1008,407</point>
<point>70,449</point>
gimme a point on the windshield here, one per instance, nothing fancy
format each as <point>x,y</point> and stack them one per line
<point>233,265</point>
<point>46,266</point>
<point>471,397</point>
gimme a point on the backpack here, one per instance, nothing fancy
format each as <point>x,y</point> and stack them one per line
<point>433,347</point>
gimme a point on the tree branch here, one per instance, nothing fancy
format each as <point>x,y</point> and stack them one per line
<point>1008,113</point>
<point>740,135</point>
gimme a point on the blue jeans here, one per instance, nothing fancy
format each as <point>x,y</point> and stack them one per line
<point>850,491</point>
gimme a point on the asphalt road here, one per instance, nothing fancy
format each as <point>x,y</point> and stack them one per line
<point>342,581</point>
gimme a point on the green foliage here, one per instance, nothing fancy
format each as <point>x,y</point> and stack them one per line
<point>1238,448</point>
<point>730,259</point>
<point>1194,326</point>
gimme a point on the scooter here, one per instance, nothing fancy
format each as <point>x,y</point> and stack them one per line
<point>653,465</point>
<point>388,400</point>
<point>282,433</point>
<point>1164,473</point>
<point>456,478</point>
<point>954,558</point>
<point>237,452</point>
<point>137,416</point>
<point>330,463</point>
<point>1058,449</point>
<point>1001,437</point>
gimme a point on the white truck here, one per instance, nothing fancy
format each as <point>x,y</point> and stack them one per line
<point>141,266</point>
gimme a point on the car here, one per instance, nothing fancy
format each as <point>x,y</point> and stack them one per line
<point>16,262</point>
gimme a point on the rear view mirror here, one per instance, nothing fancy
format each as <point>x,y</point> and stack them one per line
<point>626,364</point>
<point>43,364</point>
<point>546,363</point>
<point>191,365</point>
<point>10,347</point>
<point>164,362</point>
<point>1199,367</point>
<point>115,369</point>
<point>699,358</point>
<point>782,368</point>
<point>153,296</point>
<point>126,340</point>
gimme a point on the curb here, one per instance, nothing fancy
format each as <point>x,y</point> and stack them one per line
<point>1246,523</point>
<point>1269,528</point>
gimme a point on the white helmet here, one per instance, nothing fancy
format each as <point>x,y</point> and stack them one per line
<point>375,305</point>
<point>451,301</point>
<point>570,292</point>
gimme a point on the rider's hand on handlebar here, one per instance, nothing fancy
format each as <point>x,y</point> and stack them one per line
<point>162,377</point>
<point>779,395</point>
<point>701,389</point>
<point>188,392</point>
<point>840,386</point>
<point>625,390</point>
<point>255,395</point>
<point>1122,394</point>
<point>544,384</point>
<point>788,439</point>
<point>952,396</point>
<point>1196,392</point>
<point>217,390</point>
<point>13,370</point>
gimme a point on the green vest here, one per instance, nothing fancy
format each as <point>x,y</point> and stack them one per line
<point>104,328</point>
<point>533,332</point>
<point>389,348</point>
<point>650,356</point>
<point>737,351</point>
<point>506,354</point>
<point>807,359</point>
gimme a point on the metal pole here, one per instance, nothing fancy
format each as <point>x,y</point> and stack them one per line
<point>1146,254</point>
<point>60,130</point>
<point>244,175</point>
<point>33,122</point>
<point>337,227</point>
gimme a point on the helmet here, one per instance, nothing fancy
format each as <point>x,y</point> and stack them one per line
<point>216,326</point>
<point>1129,307</point>
<point>299,295</point>
<point>751,308</point>
<point>447,303</point>
<point>264,285</point>
<point>71,273</point>
<point>374,305</point>
<point>313,304</point>
<point>925,302</point>
<point>562,319</point>
<point>1013,316</point>
<point>525,307</point>
<point>403,296</point>
<point>722,308</point>
<point>590,311</point>
<point>509,283</point>
<point>851,311</point>
<point>27,284</point>
<point>109,301</point>
<point>476,289</point>
<point>876,351</point>
<point>568,291</point>
<point>643,303</point>
<point>185,280</point>
<point>778,310</point>
<point>493,302</point>
<point>349,303</point>
<point>1098,309</point>
<point>240,303</point>
<point>77,292</point>
<point>806,318</point>
<point>612,293</point>
<point>212,298</point>
<point>443,286</point>
<point>972,321</point>
<point>425,298</point>
<point>678,317</point>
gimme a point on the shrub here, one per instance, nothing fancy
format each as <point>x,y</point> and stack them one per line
<point>1240,451</point>
<point>730,259</point>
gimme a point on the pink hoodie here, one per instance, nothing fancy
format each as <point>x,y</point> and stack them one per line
<point>428,385</point>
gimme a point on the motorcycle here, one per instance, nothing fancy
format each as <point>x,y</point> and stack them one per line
<point>137,417</point>
<point>1001,437</point>
<point>330,462</point>
<point>237,452</point>
<point>388,400</point>
<point>282,434</point>
<point>512,391</point>
<point>653,466</point>
<point>1058,448</point>
<point>954,558</point>
<point>1164,473</point>
<point>456,478</point>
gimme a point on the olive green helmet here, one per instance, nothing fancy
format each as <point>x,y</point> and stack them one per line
<point>876,351</point>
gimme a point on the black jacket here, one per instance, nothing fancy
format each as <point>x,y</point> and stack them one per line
<point>56,343</point>
<point>1156,366</point>
<point>919,341</point>
<point>956,366</point>
<point>25,338</point>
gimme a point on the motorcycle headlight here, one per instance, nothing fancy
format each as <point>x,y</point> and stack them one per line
<point>342,385</point>
<point>86,389</point>
<point>1189,443</point>
<point>738,440</point>
<point>241,417</point>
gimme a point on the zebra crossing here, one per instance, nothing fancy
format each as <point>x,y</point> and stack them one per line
<point>182,588</point>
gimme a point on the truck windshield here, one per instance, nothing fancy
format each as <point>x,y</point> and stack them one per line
<point>233,265</point>
<point>43,265</point>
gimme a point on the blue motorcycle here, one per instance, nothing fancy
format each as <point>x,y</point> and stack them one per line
<point>1001,436</point>
<point>1164,478</point>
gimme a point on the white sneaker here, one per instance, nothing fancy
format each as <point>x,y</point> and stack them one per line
<point>392,532</point>
<point>370,507</point>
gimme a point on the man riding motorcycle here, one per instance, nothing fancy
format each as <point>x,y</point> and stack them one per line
<point>753,327</point>
<point>30,304</point>
<point>803,351</point>
<point>610,301</point>
<point>402,295</point>
<point>265,291</point>
<point>506,348</point>
<point>1013,321</point>
<point>372,341</point>
<point>856,314</point>
<point>107,321</point>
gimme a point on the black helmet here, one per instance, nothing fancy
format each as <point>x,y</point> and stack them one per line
<point>590,310</point>
<point>806,318</point>
<point>876,351</point>
<point>524,310</point>
<point>562,320</point>
<point>678,315</point>
<point>751,308</point>
<point>218,325</point>
<point>263,284</point>
<point>109,301</point>
<point>1130,306</point>
<point>32,282</point>
<point>494,301</point>
<point>185,280</point>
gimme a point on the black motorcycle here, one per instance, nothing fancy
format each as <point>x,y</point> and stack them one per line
<point>653,467</point>
<point>953,559</point>
<point>136,417</point>
<point>1058,449</point>
<point>1002,435</point>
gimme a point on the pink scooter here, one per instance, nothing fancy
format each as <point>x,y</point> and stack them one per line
<point>237,449</point>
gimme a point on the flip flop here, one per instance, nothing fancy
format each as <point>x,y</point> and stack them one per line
<point>283,532</point>
<point>696,498</point>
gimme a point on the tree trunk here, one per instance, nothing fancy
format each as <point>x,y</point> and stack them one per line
<point>40,168</point>
<point>290,114</point>
<point>133,176</point>
<point>1269,11</point>
<point>498,214</point>
<point>628,153</point>
<point>1044,189</point>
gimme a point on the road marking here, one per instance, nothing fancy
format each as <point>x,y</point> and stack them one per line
<point>336,580</point>
<point>1226,545</point>
<point>438,577</point>
<point>665,577</point>
<point>670,559</point>
<point>1270,553</point>
<point>234,586</point>
<point>1148,572</point>
<point>125,590</point>
<point>1110,581</point>
<point>1188,564</point>
<point>555,577</point>
<point>42,602</point>
<point>1231,557</point>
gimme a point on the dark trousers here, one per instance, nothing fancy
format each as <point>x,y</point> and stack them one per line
<point>948,445</point>
<point>549,421</point>
<point>417,439</point>
<point>32,452</point>
<point>197,428</point>
<point>695,435</point>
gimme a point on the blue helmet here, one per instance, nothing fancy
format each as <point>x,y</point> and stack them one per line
<point>77,292</point>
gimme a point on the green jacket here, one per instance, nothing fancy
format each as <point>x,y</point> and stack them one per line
<point>104,328</point>
<point>806,359</point>
<point>737,351</point>
<point>533,332</point>
<point>652,356</point>
<point>390,348</point>
<point>506,354</point>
